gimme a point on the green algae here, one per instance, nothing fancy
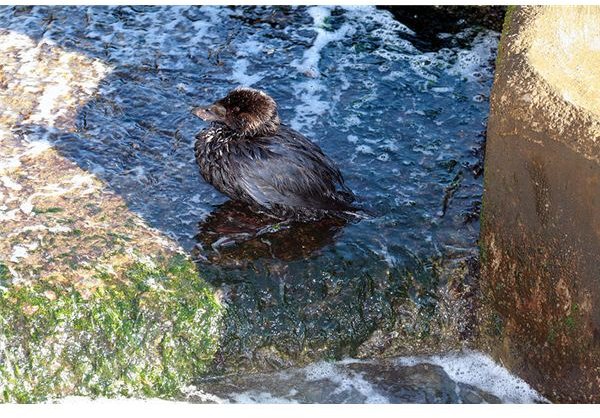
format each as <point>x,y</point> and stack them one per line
<point>52,209</point>
<point>145,336</point>
<point>510,10</point>
<point>356,308</point>
<point>4,275</point>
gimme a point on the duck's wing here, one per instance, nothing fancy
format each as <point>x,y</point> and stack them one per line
<point>292,171</point>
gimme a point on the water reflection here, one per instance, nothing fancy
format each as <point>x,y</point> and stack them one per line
<point>233,235</point>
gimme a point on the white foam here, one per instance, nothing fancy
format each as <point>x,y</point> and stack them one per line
<point>37,147</point>
<point>344,380</point>
<point>50,102</point>
<point>317,99</point>
<point>80,180</point>
<point>34,228</point>
<point>309,64</point>
<point>477,369</point>
<point>249,47</point>
<point>475,60</point>
<point>8,164</point>
<point>311,105</point>
<point>385,22</point>
<point>57,85</point>
<point>239,74</point>
<point>468,367</point>
<point>364,149</point>
<point>26,207</point>
<point>59,229</point>
<point>193,391</point>
<point>10,215</point>
<point>260,397</point>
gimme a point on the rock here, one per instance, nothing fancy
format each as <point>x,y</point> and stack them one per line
<point>93,301</point>
<point>540,239</point>
<point>348,381</point>
<point>431,24</point>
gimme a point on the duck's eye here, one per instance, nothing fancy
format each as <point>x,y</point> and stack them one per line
<point>236,109</point>
<point>218,110</point>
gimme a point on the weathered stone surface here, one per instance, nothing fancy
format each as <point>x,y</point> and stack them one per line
<point>351,381</point>
<point>540,239</point>
<point>92,300</point>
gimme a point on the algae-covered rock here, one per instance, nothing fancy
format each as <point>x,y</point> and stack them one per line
<point>92,300</point>
<point>147,335</point>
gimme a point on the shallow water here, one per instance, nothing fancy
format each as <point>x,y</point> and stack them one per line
<point>466,377</point>
<point>405,127</point>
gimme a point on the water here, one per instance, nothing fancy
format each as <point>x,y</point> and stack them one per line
<point>467,377</point>
<point>457,378</point>
<point>405,126</point>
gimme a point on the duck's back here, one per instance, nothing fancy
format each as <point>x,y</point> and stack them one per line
<point>285,174</point>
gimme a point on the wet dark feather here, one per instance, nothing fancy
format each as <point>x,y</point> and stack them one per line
<point>281,173</point>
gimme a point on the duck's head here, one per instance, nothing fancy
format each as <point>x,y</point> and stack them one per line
<point>247,111</point>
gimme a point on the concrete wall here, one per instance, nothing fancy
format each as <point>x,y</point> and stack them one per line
<point>540,239</point>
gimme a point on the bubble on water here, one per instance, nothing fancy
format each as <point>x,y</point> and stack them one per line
<point>344,381</point>
<point>312,56</point>
<point>475,63</point>
<point>241,76</point>
<point>442,89</point>
<point>364,149</point>
<point>479,370</point>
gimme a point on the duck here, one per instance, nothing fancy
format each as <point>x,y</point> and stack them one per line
<point>249,155</point>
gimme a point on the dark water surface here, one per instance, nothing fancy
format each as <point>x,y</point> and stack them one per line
<point>405,126</point>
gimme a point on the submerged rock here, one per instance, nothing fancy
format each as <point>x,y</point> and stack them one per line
<point>453,378</point>
<point>433,25</point>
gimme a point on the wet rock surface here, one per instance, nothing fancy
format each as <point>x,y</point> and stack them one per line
<point>409,142</point>
<point>540,244</point>
<point>424,383</point>
<point>453,379</point>
<point>93,301</point>
<point>435,27</point>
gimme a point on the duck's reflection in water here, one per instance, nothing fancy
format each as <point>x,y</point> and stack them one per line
<point>233,235</point>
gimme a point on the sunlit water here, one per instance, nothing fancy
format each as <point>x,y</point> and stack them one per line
<point>405,127</point>
<point>457,378</point>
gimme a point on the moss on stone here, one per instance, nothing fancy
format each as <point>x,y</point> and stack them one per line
<point>4,274</point>
<point>38,210</point>
<point>147,335</point>
<point>505,27</point>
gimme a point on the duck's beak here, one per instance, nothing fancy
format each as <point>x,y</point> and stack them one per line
<point>210,113</point>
